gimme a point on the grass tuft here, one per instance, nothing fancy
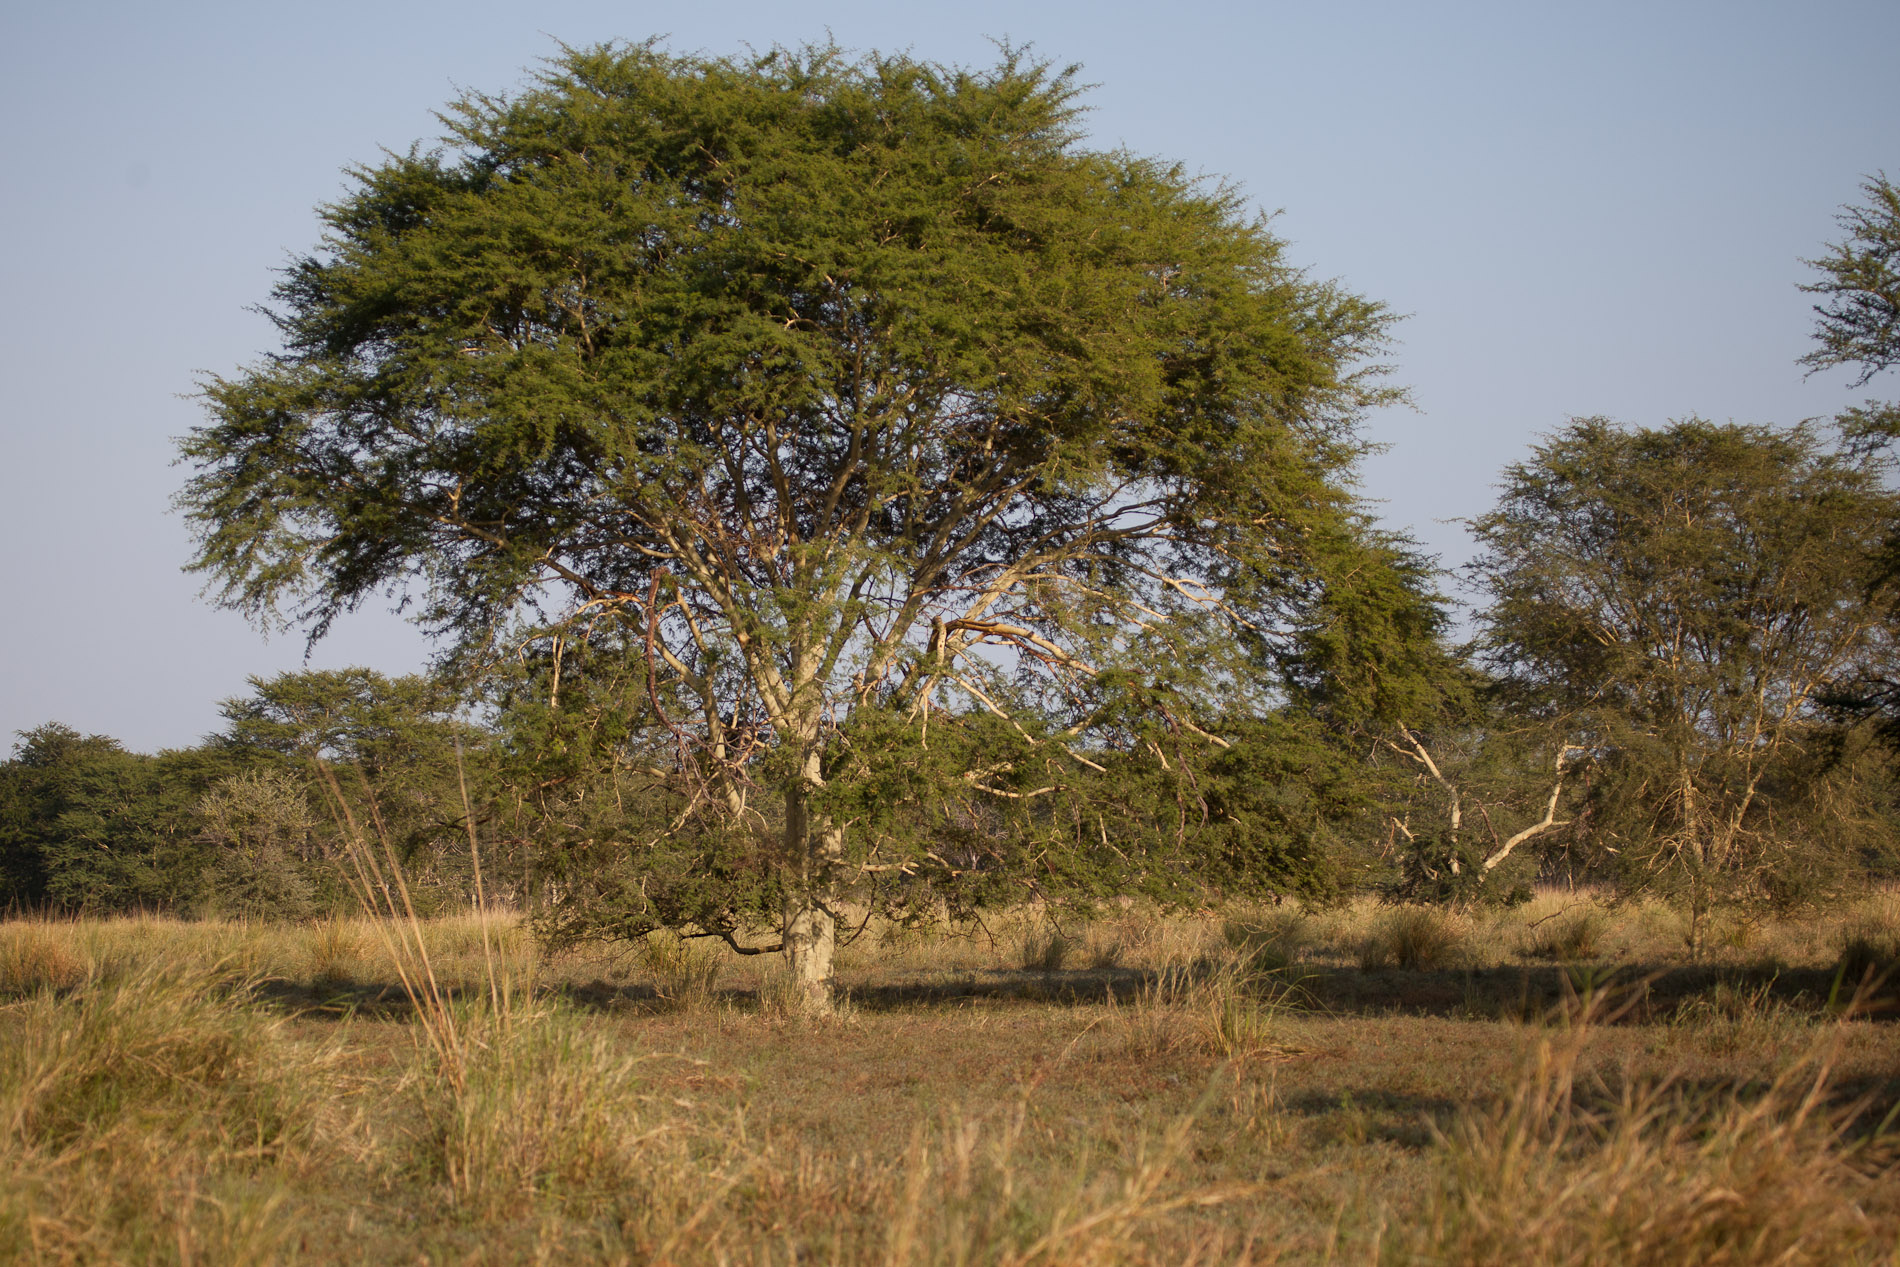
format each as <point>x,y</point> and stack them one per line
<point>1411,937</point>
<point>156,1116</point>
<point>684,974</point>
<point>1567,938</point>
<point>35,956</point>
<point>1044,949</point>
<point>538,1110</point>
<point>1869,953</point>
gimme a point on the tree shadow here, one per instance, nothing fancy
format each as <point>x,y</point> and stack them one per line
<point>1641,993</point>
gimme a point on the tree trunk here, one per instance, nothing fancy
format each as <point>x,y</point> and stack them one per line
<point>1700,894</point>
<point>813,852</point>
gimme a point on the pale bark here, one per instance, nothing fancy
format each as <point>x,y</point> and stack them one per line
<point>1538,828</point>
<point>814,848</point>
<point>1424,758</point>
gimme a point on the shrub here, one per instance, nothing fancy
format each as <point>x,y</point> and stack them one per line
<point>261,825</point>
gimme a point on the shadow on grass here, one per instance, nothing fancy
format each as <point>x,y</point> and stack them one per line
<point>1650,992</point>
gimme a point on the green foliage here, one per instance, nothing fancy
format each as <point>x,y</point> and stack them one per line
<point>1676,602</point>
<point>31,800</point>
<point>1859,318</point>
<point>391,748</point>
<point>92,827</point>
<point>807,399</point>
<point>244,824</point>
<point>261,824</point>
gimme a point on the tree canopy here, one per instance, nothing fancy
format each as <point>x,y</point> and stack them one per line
<point>827,390</point>
<point>1678,603</point>
<point>1859,316</point>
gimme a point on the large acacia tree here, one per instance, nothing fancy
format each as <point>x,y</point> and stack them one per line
<point>838,390</point>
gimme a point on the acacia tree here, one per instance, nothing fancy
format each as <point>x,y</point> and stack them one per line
<point>1677,602</point>
<point>1859,318</point>
<point>1858,326</point>
<point>833,390</point>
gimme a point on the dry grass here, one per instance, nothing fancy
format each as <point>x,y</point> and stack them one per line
<point>1220,1087</point>
<point>157,1114</point>
<point>1568,936</point>
<point>683,972</point>
<point>1869,950</point>
<point>1572,1170</point>
<point>1413,937</point>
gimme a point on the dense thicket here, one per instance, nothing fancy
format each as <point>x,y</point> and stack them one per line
<point>253,821</point>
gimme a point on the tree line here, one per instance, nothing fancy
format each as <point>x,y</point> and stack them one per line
<point>834,488</point>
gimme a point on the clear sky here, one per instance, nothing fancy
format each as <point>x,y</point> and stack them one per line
<point>1582,209</point>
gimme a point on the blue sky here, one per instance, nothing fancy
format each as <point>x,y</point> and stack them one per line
<point>1581,209</point>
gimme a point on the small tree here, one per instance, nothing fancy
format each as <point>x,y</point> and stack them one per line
<point>392,745</point>
<point>261,827</point>
<point>1675,602</point>
<point>850,398</point>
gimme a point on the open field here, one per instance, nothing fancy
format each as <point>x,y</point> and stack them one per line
<point>1367,1085</point>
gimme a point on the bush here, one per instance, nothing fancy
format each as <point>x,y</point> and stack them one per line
<point>261,825</point>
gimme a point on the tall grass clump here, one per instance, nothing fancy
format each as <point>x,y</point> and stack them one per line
<point>1219,1004</point>
<point>683,974</point>
<point>1413,937</point>
<point>1268,941</point>
<point>155,1115</point>
<point>39,956</point>
<point>1869,954</point>
<point>155,1051</point>
<point>1567,937</point>
<point>1044,949</point>
<point>537,1111</point>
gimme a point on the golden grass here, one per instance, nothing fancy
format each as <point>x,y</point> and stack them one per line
<point>1659,1172</point>
<point>1413,937</point>
<point>156,1113</point>
<point>1203,1088</point>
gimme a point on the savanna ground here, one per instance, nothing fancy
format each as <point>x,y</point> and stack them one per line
<point>1552,1084</point>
